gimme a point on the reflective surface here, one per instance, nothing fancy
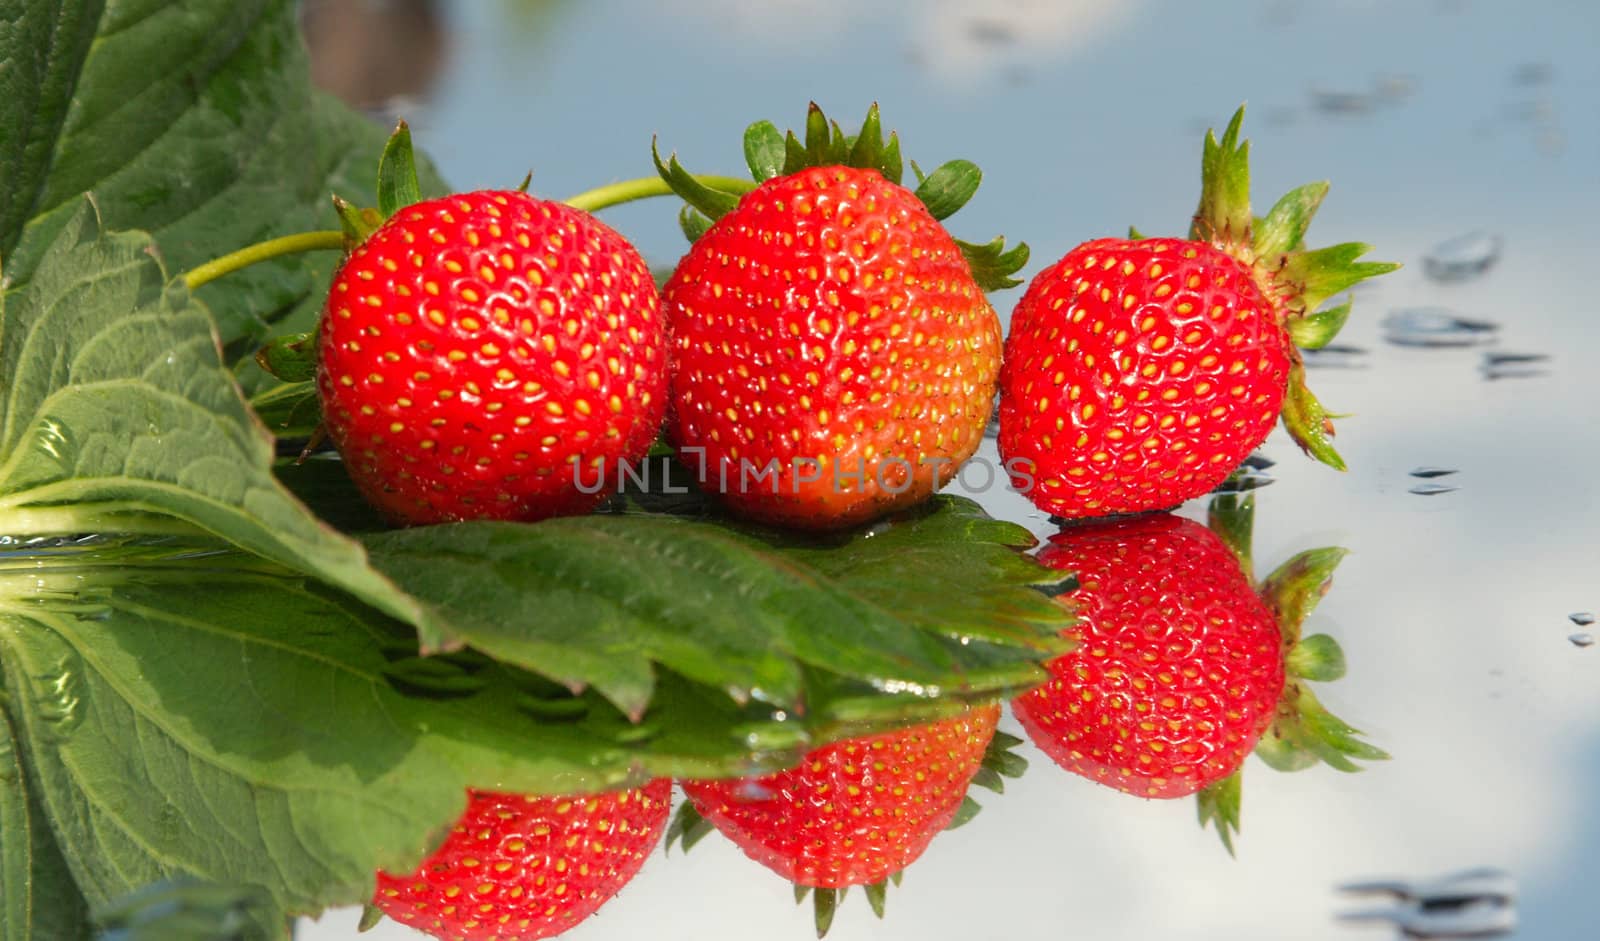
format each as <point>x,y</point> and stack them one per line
<point>1461,138</point>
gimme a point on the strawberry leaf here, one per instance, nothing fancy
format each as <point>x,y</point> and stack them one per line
<point>291,358</point>
<point>1321,273</point>
<point>1315,331</point>
<point>397,174</point>
<point>711,202</point>
<point>693,223</point>
<point>687,828</point>
<point>38,898</point>
<point>1308,423</point>
<point>290,410</point>
<point>1306,733</point>
<point>1219,806</point>
<point>878,896</point>
<point>763,151</point>
<point>872,152</point>
<point>189,910</point>
<point>1294,588</point>
<point>1232,516</point>
<point>1223,217</point>
<point>993,264</point>
<point>950,187</point>
<point>1318,658</point>
<point>1284,228</point>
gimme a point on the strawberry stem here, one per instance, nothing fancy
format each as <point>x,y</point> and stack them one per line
<point>328,240</point>
<point>627,191</point>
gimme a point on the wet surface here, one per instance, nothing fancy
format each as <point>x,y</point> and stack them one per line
<point>1462,140</point>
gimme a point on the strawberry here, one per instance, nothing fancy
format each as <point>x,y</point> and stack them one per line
<point>858,811</point>
<point>521,866</point>
<point>1140,372</point>
<point>1181,666</point>
<point>833,355</point>
<point>491,355</point>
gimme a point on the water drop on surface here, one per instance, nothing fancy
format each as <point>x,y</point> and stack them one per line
<point>1514,365</point>
<point>1431,490</point>
<point>1435,327</point>
<point>1427,472</point>
<point>1463,257</point>
<point>1581,639</point>
<point>1335,356</point>
<point>1581,618</point>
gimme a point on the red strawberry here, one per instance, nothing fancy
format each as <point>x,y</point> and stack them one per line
<point>522,867</point>
<point>1178,667</point>
<point>491,355</point>
<point>1140,372</point>
<point>833,355</point>
<point>1182,667</point>
<point>858,811</point>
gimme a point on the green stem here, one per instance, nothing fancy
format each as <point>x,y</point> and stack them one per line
<point>644,187</point>
<point>327,240</point>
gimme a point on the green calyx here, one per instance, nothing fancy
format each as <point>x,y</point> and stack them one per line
<point>1304,733</point>
<point>1301,279</point>
<point>771,153</point>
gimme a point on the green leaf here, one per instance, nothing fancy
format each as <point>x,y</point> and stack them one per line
<point>1306,733</point>
<point>291,358</point>
<point>290,410</point>
<point>197,124</point>
<point>993,264</point>
<point>969,809</point>
<point>763,150</point>
<point>1284,228</point>
<point>687,828</point>
<point>1218,806</point>
<point>949,187</point>
<point>1315,331</point>
<point>1232,516</point>
<point>188,910</point>
<point>1318,658</point>
<point>397,173</point>
<point>878,896</point>
<point>1294,588</point>
<point>601,601</point>
<point>1223,216</point>
<point>713,203</point>
<point>1321,273</point>
<point>872,152</point>
<point>1308,423</point>
<point>693,223</point>
<point>117,411</point>
<point>37,896</point>
<point>824,903</point>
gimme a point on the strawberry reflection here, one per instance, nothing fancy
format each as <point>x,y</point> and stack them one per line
<point>1184,666</point>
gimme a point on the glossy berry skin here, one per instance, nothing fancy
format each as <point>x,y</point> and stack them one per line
<point>1179,665</point>
<point>475,348</point>
<point>518,867</point>
<point>829,324</point>
<point>856,811</point>
<point>1138,375</point>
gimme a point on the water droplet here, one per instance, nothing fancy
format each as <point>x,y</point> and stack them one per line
<point>1429,473</point>
<point>1339,102</point>
<point>1514,365</point>
<point>1435,327</point>
<point>1432,490</point>
<point>59,697</point>
<point>989,32</point>
<point>1581,618</point>
<point>1581,639</point>
<point>1244,483</point>
<point>1335,356</point>
<point>1463,257</point>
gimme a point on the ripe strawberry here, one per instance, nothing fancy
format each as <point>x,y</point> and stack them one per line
<point>491,355</point>
<point>858,811</point>
<point>1178,667</point>
<point>1181,666</point>
<point>833,355</point>
<point>521,867</point>
<point>1140,372</point>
